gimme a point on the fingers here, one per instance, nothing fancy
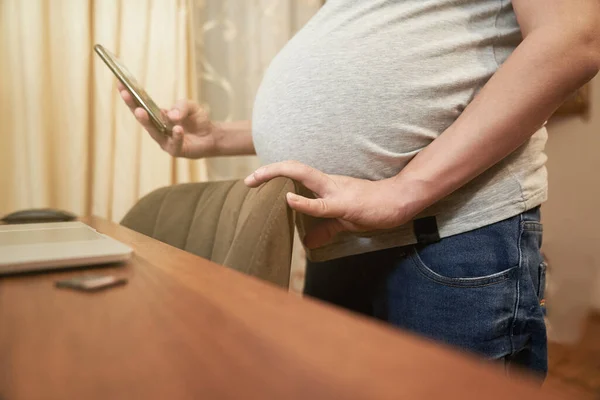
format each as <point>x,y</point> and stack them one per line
<point>182,109</point>
<point>142,116</point>
<point>323,233</point>
<point>126,96</point>
<point>320,207</point>
<point>128,99</point>
<point>311,178</point>
<point>175,146</point>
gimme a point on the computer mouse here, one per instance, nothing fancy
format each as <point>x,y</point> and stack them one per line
<point>36,215</point>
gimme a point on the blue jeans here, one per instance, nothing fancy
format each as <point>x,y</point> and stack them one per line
<point>479,291</point>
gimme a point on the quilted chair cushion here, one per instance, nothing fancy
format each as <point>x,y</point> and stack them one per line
<point>249,230</point>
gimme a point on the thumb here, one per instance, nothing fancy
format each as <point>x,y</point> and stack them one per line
<point>323,233</point>
<point>175,145</point>
<point>181,110</point>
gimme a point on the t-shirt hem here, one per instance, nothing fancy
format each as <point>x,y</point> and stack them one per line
<point>404,235</point>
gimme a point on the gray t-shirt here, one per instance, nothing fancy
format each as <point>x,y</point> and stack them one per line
<point>367,84</point>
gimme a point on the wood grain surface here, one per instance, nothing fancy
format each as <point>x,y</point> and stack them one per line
<point>184,327</point>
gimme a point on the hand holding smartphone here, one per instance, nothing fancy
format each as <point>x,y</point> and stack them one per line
<point>160,121</point>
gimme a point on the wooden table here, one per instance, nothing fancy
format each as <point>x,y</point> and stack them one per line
<point>184,327</point>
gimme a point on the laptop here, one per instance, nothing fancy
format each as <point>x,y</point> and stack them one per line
<point>56,245</point>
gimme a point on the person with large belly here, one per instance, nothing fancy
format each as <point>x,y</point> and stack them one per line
<point>415,130</point>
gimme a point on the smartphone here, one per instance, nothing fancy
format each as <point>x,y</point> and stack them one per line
<point>157,117</point>
<point>90,283</point>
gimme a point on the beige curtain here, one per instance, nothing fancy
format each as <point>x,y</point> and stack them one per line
<point>66,139</point>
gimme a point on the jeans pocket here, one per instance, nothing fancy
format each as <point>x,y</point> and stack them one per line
<point>481,257</point>
<point>466,282</point>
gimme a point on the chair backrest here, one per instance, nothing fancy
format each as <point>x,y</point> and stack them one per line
<point>249,230</point>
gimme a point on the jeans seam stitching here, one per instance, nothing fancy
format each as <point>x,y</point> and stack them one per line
<point>501,276</point>
<point>518,291</point>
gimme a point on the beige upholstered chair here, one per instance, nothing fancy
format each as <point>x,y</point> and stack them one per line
<point>249,230</point>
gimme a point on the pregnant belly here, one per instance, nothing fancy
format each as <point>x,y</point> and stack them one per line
<point>357,110</point>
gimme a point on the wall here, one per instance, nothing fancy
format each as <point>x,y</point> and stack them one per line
<point>571,215</point>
